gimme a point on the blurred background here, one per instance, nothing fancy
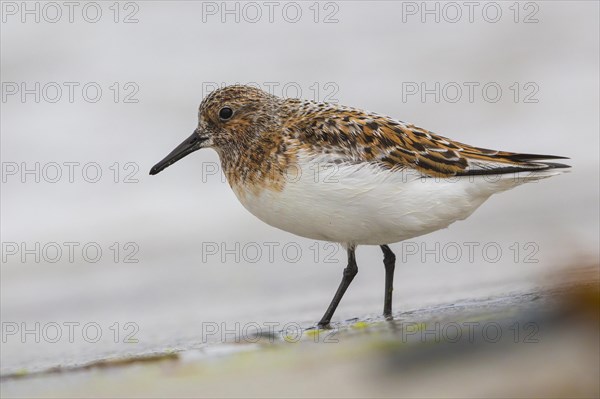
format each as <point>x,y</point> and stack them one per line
<point>101,261</point>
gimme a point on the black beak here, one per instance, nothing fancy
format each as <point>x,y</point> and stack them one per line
<point>189,145</point>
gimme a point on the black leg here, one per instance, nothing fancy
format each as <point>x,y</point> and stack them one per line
<point>349,273</point>
<point>389,261</point>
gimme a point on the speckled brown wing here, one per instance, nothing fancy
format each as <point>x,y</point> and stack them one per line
<point>356,136</point>
<point>439,156</point>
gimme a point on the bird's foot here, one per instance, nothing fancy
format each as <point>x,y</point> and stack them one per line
<point>324,325</point>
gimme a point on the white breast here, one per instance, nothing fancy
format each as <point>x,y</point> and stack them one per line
<point>364,204</point>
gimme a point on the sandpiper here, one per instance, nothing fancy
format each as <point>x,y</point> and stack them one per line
<point>340,174</point>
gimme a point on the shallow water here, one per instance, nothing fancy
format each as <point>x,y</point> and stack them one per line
<point>381,356</point>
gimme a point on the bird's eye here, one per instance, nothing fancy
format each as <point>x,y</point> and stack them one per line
<point>225,113</point>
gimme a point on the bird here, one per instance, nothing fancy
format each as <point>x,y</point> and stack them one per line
<point>330,172</point>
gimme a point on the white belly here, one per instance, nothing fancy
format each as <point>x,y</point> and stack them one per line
<point>360,204</point>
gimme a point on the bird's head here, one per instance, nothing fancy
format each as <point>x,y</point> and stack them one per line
<point>228,118</point>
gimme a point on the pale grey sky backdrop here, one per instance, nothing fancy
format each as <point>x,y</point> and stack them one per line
<point>372,57</point>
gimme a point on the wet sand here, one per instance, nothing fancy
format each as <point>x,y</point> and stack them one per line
<point>546,343</point>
